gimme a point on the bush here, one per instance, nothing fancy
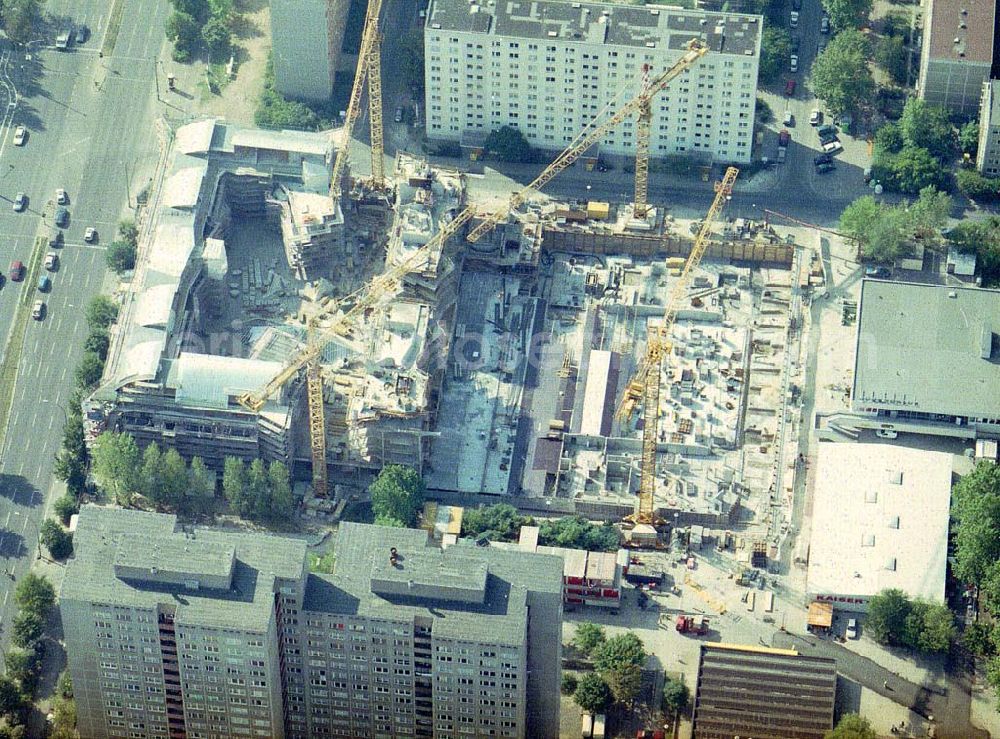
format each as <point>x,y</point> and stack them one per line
<point>588,637</point>
<point>28,629</point>
<point>100,313</point>
<point>397,493</point>
<point>120,256</point>
<point>509,145</point>
<point>592,693</point>
<point>275,111</point>
<point>56,539</point>
<point>89,371</point>
<point>974,185</point>
<point>128,231</point>
<point>569,683</point>
<point>65,508</point>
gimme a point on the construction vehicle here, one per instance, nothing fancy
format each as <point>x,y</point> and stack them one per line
<point>645,385</point>
<point>342,313</point>
<point>695,625</point>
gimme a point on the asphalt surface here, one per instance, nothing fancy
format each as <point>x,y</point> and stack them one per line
<point>90,123</point>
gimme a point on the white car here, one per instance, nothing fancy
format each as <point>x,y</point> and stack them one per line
<point>789,119</point>
<point>794,19</point>
<point>794,63</point>
<point>832,147</point>
<point>886,434</point>
<point>824,24</point>
<point>61,197</point>
<point>90,235</point>
<point>20,202</point>
<point>852,628</point>
<point>51,261</point>
<point>20,135</point>
<point>38,310</point>
<point>816,117</point>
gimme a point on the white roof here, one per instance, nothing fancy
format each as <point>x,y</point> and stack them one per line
<point>878,507</point>
<point>195,138</point>
<point>142,360</point>
<point>182,187</point>
<point>152,308</point>
<point>171,248</point>
<point>595,395</point>
<point>302,142</point>
<point>209,380</point>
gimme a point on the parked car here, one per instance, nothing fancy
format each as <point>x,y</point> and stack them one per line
<point>886,433</point>
<point>38,310</point>
<point>852,628</point>
<point>44,283</point>
<point>399,115</point>
<point>81,35</point>
<point>51,261</point>
<point>881,273</point>
<point>90,235</point>
<point>824,168</point>
<point>784,138</point>
<point>824,24</point>
<point>793,63</point>
<point>789,119</point>
<point>20,202</point>
<point>790,88</point>
<point>17,270</point>
<point>56,240</point>
<point>793,20</point>
<point>827,138</point>
<point>61,197</point>
<point>827,130</point>
<point>796,43</point>
<point>62,217</point>
<point>822,159</point>
<point>816,117</point>
<point>832,147</point>
<point>20,135</point>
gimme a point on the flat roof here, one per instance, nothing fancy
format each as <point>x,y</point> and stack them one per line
<point>880,520</point>
<point>300,142</point>
<point>647,26</point>
<point>596,420</point>
<point>961,30</point>
<point>920,348</point>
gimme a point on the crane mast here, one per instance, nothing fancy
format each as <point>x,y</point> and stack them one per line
<point>646,383</point>
<point>643,125</point>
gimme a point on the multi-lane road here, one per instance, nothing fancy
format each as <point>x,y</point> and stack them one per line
<point>91,131</point>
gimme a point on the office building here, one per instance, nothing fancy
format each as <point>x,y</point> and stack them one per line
<point>988,153</point>
<point>956,53</point>
<point>547,68</point>
<point>749,691</point>
<point>880,520</point>
<point>201,633</point>
<point>927,360</point>
<point>306,36</point>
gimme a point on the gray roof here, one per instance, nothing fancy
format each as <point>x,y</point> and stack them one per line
<point>214,578</point>
<point>648,26</point>
<point>928,349</point>
<point>472,593</point>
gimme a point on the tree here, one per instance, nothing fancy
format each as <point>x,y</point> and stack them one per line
<point>888,236</point>
<point>398,492</point>
<point>981,238</point>
<point>35,593</point>
<point>258,490</point>
<point>56,539</point>
<point>976,513</point>
<point>840,75</point>
<point>201,487</point>
<point>282,504</point>
<point>28,628</point>
<point>412,54</point>
<point>569,683</point>
<point>197,9</point>
<point>937,629</point>
<point>65,507</point>
<point>625,682</point>
<point>390,521</point>
<point>101,312</point>
<point>128,231</point>
<point>929,213</point>
<point>588,637</point>
<point>324,563</point>
<point>775,48</point>
<point>978,639</point>
<point>150,480</point>
<point>676,695</point>
<point>217,37</point>
<point>274,111</point>
<point>852,726</point>
<point>116,466</point>
<point>887,612</point>
<point>926,126</point>
<point>10,696</point>
<point>889,139</point>
<point>890,55</point>
<point>500,522</point>
<point>89,371</point>
<point>857,219</point>
<point>173,480</point>
<point>592,693</point>
<point>71,470</point>
<point>184,32</point>
<point>508,144</point>
<point>24,666</point>
<point>234,486</point>
<point>847,15</point>
<point>120,256</point>
<point>97,342</point>
<point>20,18</point>
<point>576,532</point>
<point>968,138</point>
<point>913,169</point>
<point>618,651</point>
<point>974,185</point>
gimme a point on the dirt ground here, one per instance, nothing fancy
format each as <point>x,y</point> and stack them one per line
<point>252,43</point>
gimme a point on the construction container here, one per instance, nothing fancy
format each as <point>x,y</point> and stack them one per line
<point>597,210</point>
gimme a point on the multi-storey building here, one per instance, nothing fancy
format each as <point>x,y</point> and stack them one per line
<point>201,633</point>
<point>306,37</point>
<point>988,153</point>
<point>548,68</point>
<point>956,54</point>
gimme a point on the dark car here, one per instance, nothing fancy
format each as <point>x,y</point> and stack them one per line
<point>822,159</point>
<point>790,88</point>
<point>826,138</point>
<point>796,44</point>
<point>827,130</point>
<point>56,240</point>
<point>881,273</point>
<point>81,35</point>
<point>824,168</point>
<point>62,217</point>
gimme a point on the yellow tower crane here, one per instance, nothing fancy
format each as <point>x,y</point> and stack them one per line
<point>645,385</point>
<point>370,70</point>
<point>643,124</point>
<point>343,313</point>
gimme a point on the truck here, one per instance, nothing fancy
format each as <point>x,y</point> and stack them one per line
<point>692,624</point>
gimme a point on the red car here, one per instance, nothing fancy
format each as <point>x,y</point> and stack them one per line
<point>790,88</point>
<point>16,270</point>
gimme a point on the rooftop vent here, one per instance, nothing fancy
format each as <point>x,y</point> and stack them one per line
<point>952,294</point>
<point>894,522</point>
<point>654,11</point>
<point>957,40</point>
<point>890,564</point>
<point>868,540</point>
<point>962,25</point>
<point>553,34</point>
<point>650,44</point>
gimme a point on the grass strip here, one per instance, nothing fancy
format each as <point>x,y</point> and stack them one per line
<point>114,24</point>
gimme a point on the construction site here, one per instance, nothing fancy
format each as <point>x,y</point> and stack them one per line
<point>607,358</point>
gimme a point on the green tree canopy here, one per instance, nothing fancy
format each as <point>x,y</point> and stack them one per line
<point>887,612</point>
<point>508,144</point>
<point>116,466</point>
<point>274,111</point>
<point>618,651</point>
<point>97,342</point>
<point>391,521</point>
<point>968,138</point>
<point>200,497</point>
<point>775,48</point>
<point>56,539</point>
<point>588,636</point>
<point>88,372</point>
<point>34,593</point>
<point>676,695</point>
<point>910,171</point>
<point>852,726</point>
<point>412,53</point>
<point>975,512</point>
<point>625,682</point>
<point>398,492</point>
<point>234,486</point>
<point>10,696</point>
<point>184,32</point>
<point>889,139</point>
<point>20,17</point>
<point>500,522</point>
<point>848,15</point>
<point>974,185</point>
<point>279,484</point>
<point>592,693</point>
<point>120,256</point>
<point>28,628</point>
<point>840,74</point>
<point>890,55</point>
<point>926,126</point>
<point>65,507</point>
<point>128,231</point>
<point>568,684</point>
<point>576,532</point>
<point>929,213</point>
<point>858,218</point>
<point>100,313</point>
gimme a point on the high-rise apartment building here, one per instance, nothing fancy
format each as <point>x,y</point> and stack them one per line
<point>306,37</point>
<point>548,67</point>
<point>988,152</point>
<point>202,633</point>
<point>956,54</point>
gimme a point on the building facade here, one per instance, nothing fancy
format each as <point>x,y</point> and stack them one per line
<point>200,633</point>
<point>988,153</point>
<point>956,53</point>
<point>306,37</point>
<point>547,69</point>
